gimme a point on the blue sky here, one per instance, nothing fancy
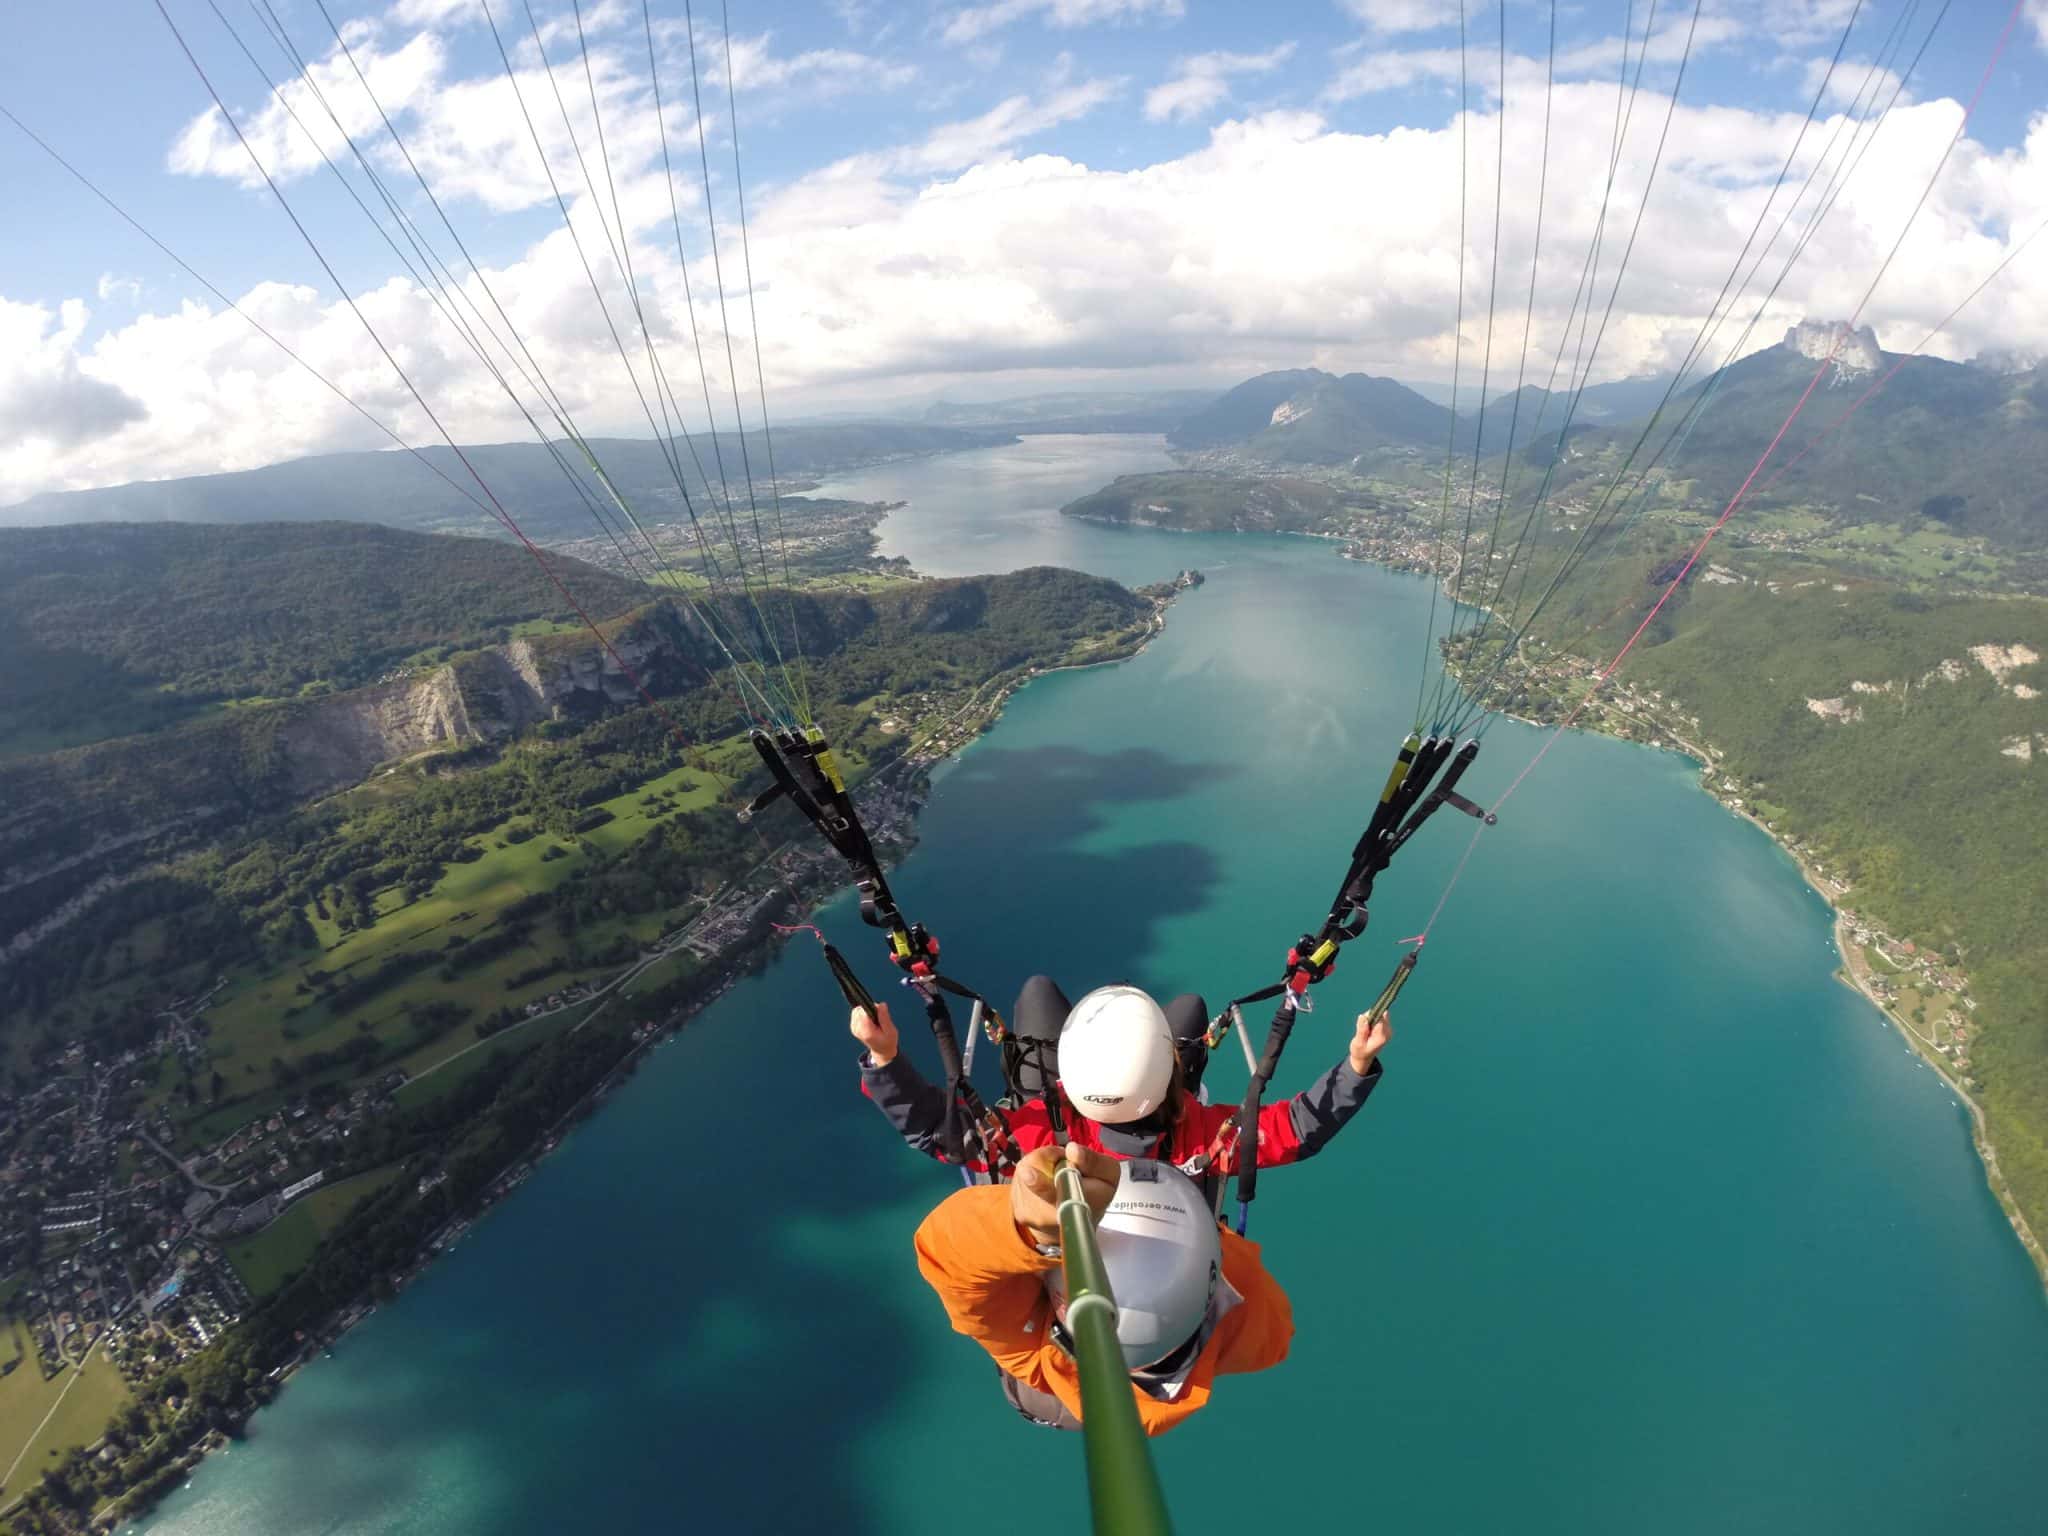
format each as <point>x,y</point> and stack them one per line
<point>969,199</point>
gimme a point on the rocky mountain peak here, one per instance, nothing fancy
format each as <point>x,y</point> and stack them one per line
<point>1854,351</point>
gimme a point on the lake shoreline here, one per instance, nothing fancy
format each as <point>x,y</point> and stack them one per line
<point>1850,976</point>
<point>1845,945</point>
<point>328,1336</point>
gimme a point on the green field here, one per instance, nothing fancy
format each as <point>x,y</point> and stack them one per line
<point>26,1400</point>
<point>1927,554</point>
<point>266,1015</point>
<point>271,1257</point>
<point>436,1068</point>
<point>533,627</point>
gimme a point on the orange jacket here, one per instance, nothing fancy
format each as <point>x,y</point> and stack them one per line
<point>993,1284</point>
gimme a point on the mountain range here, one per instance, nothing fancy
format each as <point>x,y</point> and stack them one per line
<point>399,491</point>
<point>1959,445</point>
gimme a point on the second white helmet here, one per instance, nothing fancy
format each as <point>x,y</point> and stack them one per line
<point>1163,1258</point>
<point>1116,1055</point>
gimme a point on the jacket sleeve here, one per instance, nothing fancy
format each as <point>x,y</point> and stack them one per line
<point>990,1279</point>
<point>916,1108</point>
<point>1324,1108</point>
<point>1256,1333</point>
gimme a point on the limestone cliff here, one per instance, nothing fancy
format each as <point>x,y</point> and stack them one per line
<point>92,816</point>
<point>1855,352</point>
<point>480,697</point>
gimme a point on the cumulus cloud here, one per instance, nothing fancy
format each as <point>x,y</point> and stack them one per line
<point>1855,83</point>
<point>1404,15</point>
<point>974,22</point>
<point>470,135</point>
<point>48,402</point>
<point>1203,81</point>
<point>402,79</point>
<point>432,13</point>
<point>958,256</point>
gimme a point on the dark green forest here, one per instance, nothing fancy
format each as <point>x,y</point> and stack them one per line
<point>227,858</point>
<point>109,630</point>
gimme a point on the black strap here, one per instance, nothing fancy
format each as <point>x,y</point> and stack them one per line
<point>1400,810</point>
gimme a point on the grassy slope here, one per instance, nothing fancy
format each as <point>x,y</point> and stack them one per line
<point>26,1400</point>
<point>254,1019</point>
<point>271,1257</point>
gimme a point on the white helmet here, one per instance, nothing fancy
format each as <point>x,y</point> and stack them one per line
<point>1159,1245</point>
<point>1116,1055</point>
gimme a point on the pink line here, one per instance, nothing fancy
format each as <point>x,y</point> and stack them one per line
<point>1743,490</point>
<point>1944,323</point>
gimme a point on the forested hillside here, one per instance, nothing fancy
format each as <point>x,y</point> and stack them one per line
<point>1904,737</point>
<point>1960,449</point>
<point>1221,503</point>
<point>82,818</point>
<point>1954,452</point>
<point>108,630</point>
<point>1307,416</point>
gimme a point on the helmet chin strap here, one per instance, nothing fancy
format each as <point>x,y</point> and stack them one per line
<point>1154,1125</point>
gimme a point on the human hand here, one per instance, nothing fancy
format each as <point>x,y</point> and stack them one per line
<point>1370,1039</point>
<point>1034,1198</point>
<point>878,1034</point>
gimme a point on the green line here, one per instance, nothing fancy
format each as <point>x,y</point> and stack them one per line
<point>1123,1485</point>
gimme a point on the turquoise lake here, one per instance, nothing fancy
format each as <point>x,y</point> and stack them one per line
<point>1653,1227</point>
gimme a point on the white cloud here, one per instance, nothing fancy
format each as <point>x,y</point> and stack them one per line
<point>818,72</point>
<point>432,13</point>
<point>956,259</point>
<point>1794,23</point>
<point>469,134</point>
<point>1400,69</point>
<point>974,22</point>
<point>1404,15</point>
<point>1394,70</point>
<point>126,289</point>
<point>403,79</point>
<point>953,145</point>
<point>1857,83</point>
<point>1202,81</point>
<point>2037,13</point>
<point>51,405</point>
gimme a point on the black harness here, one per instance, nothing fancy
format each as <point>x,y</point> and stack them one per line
<point>807,775</point>
<point>1404,805</point>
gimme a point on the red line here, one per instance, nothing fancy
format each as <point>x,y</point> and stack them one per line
<point>1829,430</point>
<point>1743,490</point>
